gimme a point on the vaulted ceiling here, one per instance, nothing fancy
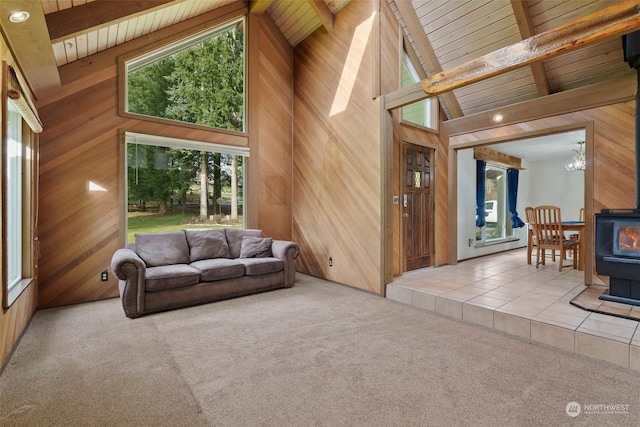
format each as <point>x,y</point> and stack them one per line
<point>439,35</point>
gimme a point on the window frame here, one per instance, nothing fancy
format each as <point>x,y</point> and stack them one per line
<point>14,196</point>
<point>431,104</point>
<point>156,53</point>
<point>24,219</point>
<point>504,214</point>
<point>155,140</point>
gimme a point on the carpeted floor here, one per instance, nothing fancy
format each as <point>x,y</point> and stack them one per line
<point>318,354</point>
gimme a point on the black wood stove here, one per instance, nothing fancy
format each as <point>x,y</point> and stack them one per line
<point>618,253</point>
<point>618,230</point>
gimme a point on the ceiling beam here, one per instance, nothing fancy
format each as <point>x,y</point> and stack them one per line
<point>612,22</point>
<point>323,12</point>
<point>77,19</point>
<point>495,157</point>
<point>405,96</point>
<point>30,46</point>
<point>414,27</point>
<point>610,92</point>
<point>257,7</point>
<point>525,25</point>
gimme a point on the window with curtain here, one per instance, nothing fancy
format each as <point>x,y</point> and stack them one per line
<point>497,217</point>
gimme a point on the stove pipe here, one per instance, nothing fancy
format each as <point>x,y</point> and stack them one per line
<point>631,49</point>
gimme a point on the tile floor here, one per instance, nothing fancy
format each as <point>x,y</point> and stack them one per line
<point>504,293</point>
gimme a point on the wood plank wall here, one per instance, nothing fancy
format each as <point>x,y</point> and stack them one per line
<point>79,230</point>
<point>613,153</point>
<point>272,130</point>
<point>336,156</point>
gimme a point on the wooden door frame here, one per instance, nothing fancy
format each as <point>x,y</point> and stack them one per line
<point>403,142</point>
<point>588,128</point>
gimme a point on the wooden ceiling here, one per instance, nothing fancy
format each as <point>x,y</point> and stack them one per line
<point>79,28</point>
<point>445,34</point>
<point>439,34</point>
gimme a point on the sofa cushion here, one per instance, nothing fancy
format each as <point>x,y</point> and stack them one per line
<point>234,239</point>
<point>218,269</point>
<point>170,277</point>
<point>162,248</point>
<point>258,266</point>
<point>255,247</point>
<point>205,244</point>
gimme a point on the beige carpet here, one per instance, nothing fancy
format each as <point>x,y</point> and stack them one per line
<point>318,354</point>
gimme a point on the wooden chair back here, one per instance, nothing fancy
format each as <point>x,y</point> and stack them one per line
<point>549,226</point>
<point>530,215</point>
<point>550,234</point>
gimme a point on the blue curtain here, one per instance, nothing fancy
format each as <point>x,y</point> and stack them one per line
<point>481,175</point>
<point>512,195</point>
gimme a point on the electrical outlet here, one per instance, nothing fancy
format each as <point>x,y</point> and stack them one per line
<point>330,261</point>
<point>104,276</point>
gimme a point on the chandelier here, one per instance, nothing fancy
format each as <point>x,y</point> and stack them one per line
<point>577,162</point>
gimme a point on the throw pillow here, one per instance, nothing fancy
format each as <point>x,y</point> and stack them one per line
<point>162,248</point>
<point>255,247</point>
<point>234,238</point>
<point>207,244</point>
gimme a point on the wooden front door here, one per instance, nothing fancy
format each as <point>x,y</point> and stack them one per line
<point>417,206</point>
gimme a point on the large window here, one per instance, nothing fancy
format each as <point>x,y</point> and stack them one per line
<point>177,184</point>
<point>14,198</point>
<point>18,187</point>
<point>199,80</point>
<point>497,217</point>
<point>423,113</point>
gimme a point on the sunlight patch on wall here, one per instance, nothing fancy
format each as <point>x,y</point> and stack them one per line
<point>352,66</point>
<point>93,187</point>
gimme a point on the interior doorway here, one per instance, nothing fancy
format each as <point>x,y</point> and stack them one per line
<point>418,206</point>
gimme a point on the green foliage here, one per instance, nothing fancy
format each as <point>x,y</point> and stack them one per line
<point>151,175</point>
<point>203,84</point>
<point>148,87</point>
<point>206,85</point>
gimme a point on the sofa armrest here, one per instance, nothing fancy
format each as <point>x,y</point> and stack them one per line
<point>130,270</point>
<point>286,251</point>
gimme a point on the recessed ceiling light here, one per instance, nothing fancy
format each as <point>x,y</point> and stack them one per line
<point>19,16</point>
<point>497,118</point>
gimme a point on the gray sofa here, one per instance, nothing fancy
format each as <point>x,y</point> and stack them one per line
<point>164,271</point>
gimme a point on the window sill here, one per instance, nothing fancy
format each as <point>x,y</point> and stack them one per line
<point>17,290</point>
<point>496,242</point>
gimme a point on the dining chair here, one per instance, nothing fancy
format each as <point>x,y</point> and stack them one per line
<point>551,236</point>
<point>530,215</point>
<point>576,236</point>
